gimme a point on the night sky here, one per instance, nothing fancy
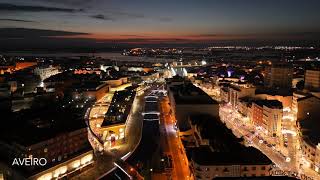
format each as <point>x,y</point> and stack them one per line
<point>95,22</point>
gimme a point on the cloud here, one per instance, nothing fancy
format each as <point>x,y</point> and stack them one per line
<point>34,33</point>
<point>165,19</point>
<point>118,15</point>
<point>17,20</point>
<point>102,17</point>
<point>206,35</point>
<point>70,2</point>
<point>127,14</point>
<point>29,8</point>
<point>133,35</point>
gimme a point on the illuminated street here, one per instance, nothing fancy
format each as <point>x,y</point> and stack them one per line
<point>287,159</point>
<point>173,144</point>
<point>241,128</point>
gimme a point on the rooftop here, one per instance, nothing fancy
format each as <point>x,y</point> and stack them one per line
<point>190,94</point>
<point>310,130</point>
<point>120,107</point>
<point>89,86</point>
<point>275,91</point>
<point>274,104</point>
<point>32,126</point>
<point>246,156</point>
<point>224,148</point>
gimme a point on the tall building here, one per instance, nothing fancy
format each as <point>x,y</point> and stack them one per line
<point>312,80</point>
<point>308,107</point>
<point>236,92</point>
<point>279,76</point>
<point>268,115</point>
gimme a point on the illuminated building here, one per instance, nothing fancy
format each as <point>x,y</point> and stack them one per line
<point>245,107</point>
<point>62,143</point>
<point>225,95</point>
<point>150,76</point>
<point>268,115</point>
<point>18,66</point>
<point>91,90</point>
<point>7,69</point>
<point>246,163</point>
<point>307,107</point>
<point>46,72</point>
<point>68,168</point>
<point>113,126</point>
<point>115,82</point>
<point>285,96</point>
<point>297,95</point>
<point>23,65</point>
<point>237,92</point>
<point>312,80</point>
<point>87,71</point>
<point>279,75</point>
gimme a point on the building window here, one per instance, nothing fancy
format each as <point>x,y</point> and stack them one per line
<point>254,168</point>
<point>225,170</point>
<point>263,168</point>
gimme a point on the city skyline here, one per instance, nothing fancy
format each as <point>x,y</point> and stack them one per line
<point>98,24</point>
<point>158,90</point>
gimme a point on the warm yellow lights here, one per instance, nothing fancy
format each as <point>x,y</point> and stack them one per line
<point>63,169</point>
<point>45,177</point>
<point>86,159</point>
<point>76,164</point>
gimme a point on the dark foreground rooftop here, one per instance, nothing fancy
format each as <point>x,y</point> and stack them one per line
<point>30,127</point>
<point>189,94</point>
<point>246,156</point>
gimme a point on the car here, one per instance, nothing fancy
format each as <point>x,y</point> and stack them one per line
<point>269,145</point>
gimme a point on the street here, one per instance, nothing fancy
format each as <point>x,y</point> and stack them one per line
<point>172,144</point>
<point>257,138</point>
